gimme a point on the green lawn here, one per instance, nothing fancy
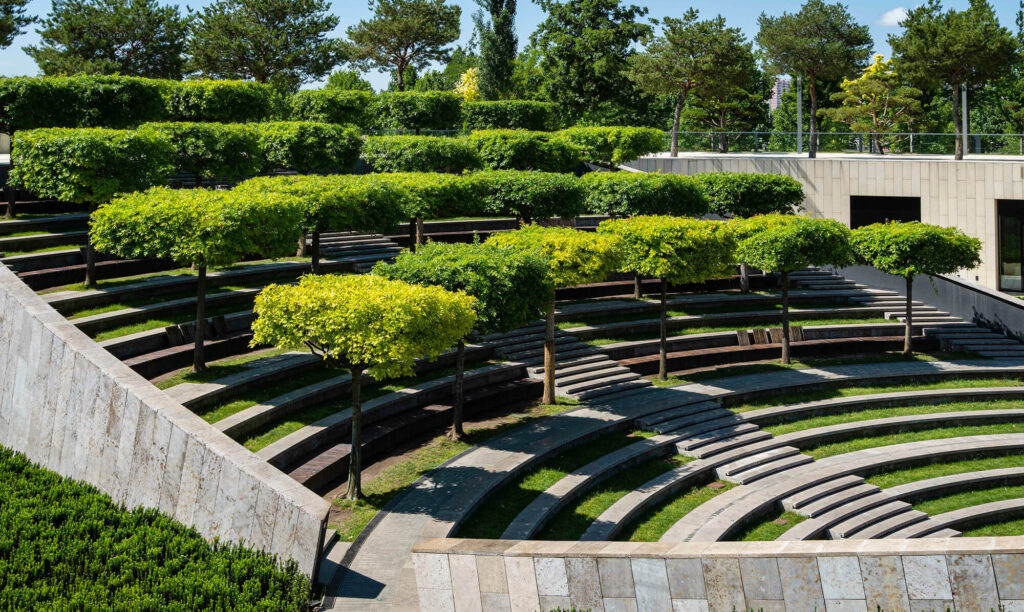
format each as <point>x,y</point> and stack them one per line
<point>150,300</point>
<point>575,518</point>
<point>382,489</point>
<point>219,369</point>
<point>128,280</point>
<point>263,392</point>
<point>768,529</point>
<point>172,319</point>
<point>1008,528</point>
<point>689,331</point>
<point>966,499</point>
<point>849,446</point>
<point>934,470</point>
<point>655,523</point>
<point>739,307</point>
<point>492,518</point>
<point>52,249</point>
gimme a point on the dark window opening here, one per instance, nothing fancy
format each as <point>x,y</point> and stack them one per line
<point>1011,238</point>
<point>865,210</point>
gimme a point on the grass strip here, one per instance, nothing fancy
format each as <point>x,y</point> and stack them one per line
<point>940,433</point>
<point>175,272</point>
<point>894,478</point>
<point>572,521</point>
<point>173,319</point>
<point>492,518</point>
<point>885,413</point>
<point>1007,528</point>
<point>219,369</point>
<point>770,528</point>
<point>382,489</point>
<point>689,331</point>
<point>260,393</point>
<point>656,522</point>
<point>598,319</point>
<point>150,300</point>
<point>966,499</point>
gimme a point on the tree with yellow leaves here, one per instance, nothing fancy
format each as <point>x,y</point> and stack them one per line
<point>469,85</point>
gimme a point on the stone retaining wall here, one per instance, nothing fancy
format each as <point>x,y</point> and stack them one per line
<point>968,574</point>
<point>72,407</point>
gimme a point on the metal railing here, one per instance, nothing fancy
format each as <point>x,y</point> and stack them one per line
<point>934,143</point>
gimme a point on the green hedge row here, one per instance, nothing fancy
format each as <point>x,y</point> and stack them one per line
<point>66,546</point>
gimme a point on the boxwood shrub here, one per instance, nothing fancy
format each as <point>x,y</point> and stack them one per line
<point>66,546</point>
<point>438,196</point>
<point>79,101</point>
<point>627,194</point>
<point>307,146</point>
<point>417,110</point>
<point>530,196</point>
<point>613,146</point>
<point>228,151</point>
<point>332,106</point>
<point>745,194</point>
<point>524,150</point>
<point>89,165</point>
<point>224,101</point>
<point>419,154</point>
<point>508,114</point>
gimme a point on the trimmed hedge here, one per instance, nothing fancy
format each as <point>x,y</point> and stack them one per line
<point>524,150</point>
<point>744,194</point>
<point>79,101</point>
<point>613,146</point>
<point>332,106</point>
<point>89,165</point>
<point>307,146</point>
<point>530,195</point>
<point>419,154</point>
<point>224,101</point>
<point>66,546</point>
<point>627,194</point>
<point>508,114</point>
<point>438,196</point>
<point>227,151</point>
<point>417,110</point>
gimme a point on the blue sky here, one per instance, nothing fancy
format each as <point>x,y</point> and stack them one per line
<point>880,15</point>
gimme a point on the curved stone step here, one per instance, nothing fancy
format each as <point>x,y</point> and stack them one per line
<point>769,468</point>
<point>845,495</point>
<point>753,461</point>
<point>919,490</point>
<point>804,499</point>
<point>730,443</point>
<point>977,515</point>
<point>853,526</point>
<point>814,528</point>
<point>694,443</point>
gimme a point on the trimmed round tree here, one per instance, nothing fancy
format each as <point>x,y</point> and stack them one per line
<point>339,202</point>
<point>786,243</point>
<point>573,258</point>
<point>512,288</point>
<point>363,323</point>
<point>200,228</point>
<point>529,196</point>
<point>89,166</point>
<point>434,195</point>
<point>748,194</point>
<point>674,249</point>
<point>911,249</point>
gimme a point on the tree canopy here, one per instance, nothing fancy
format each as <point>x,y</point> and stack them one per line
<point>499,46</point>
<point>746,194</point>
<point>127,37</point>
<point>13,20</point>
<point>573,257</point>
<point>953,48</point>
<point>819,42</point>
<point>347,80</point>
<point>404,35</point>
<point>282,42</point>
<point>627,193</point>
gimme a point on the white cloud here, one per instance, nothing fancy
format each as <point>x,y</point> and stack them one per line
<point>892,18</point>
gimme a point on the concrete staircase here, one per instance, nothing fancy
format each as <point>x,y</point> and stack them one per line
<point>362,250</point>
<point>582,371</point>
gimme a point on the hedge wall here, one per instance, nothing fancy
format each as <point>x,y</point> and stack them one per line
<point>224,101</point>
<point>524,150</point>
<point>66,546</point>
<point>508,114</point>
<point>613,146</point>
<point>308,146</point>
<point>438,196</point>
<point>530,195</point>
<point>419,154</point>
<point>228,151</point>
<point>626,194</point>
<point>745,194</point>
<point>332,106</point>
<point>417,110</point>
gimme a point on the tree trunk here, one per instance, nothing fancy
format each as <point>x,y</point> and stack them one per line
<point>785,318</point>
<point>674,149</point>
<point>12,200</point>
<point>355,456</point>
<point>908,335</point>
<point>90,262</point>
<point>199,354</point>
<point>457,432</point>
<point>303,250</point>
<point>744,278</point>
<point>638,287</point>
<point>663,351</point>
<point>412,235</point>
<point>420,232</point>
<point>958,124</point>
<point>878,143</point>
<point>812,144</point>
<point>315,253</point>
<point>549,356</point>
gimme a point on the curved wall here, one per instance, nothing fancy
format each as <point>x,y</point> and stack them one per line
<point>73,408</point>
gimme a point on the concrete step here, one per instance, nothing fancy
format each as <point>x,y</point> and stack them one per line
<point>560,355</point>
<point>677,412</point>
<point>698,422</point>
<point>696,442</point>
<point>944,533</point>
<point>813,527</point>
<point>770,468</point>
<point>894,523</point>
<point>861,520</point>
<point>612,368</point>
<point>809,496</point>
<point>616,388</point>
<point>996,353</point>
<point>570,363</point>
<point>601,382</point>
<point>733,442</point>
<point>753,461</point>
<point>590,366</point>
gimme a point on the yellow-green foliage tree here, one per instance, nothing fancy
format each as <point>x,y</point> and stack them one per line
<point>674,249</point>
<point>573,258</point>
<point>911,249</point>
<point>363,323</point>
<point>786,243</point>
<point>197,227</point>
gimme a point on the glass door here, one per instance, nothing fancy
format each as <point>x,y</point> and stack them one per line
<point>1011,222</point>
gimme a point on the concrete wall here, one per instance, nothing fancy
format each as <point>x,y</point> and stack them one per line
<point>5,144</point>
<point>953,193</point>
<point>73,408</point>
<point>972,574</point>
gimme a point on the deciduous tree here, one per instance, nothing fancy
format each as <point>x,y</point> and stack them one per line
<point>820,42</point>
<point>499,46</point>
<point>573,258</point>
<point>363,323</point>
<point>512,289</point>
<point>676,250</point>
<point>348,80</point>
<point>912,249</point>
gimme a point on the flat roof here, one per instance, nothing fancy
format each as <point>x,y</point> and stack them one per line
<point>842,156</point>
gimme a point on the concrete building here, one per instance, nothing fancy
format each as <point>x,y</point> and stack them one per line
<point>780,87</point>
<point>983,195</point>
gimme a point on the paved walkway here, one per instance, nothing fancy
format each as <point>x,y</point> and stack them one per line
<point>380,574</point>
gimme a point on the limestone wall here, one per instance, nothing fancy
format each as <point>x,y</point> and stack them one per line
<point>73,408</point>
<point>953,193</point>
<point>969,574</point>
